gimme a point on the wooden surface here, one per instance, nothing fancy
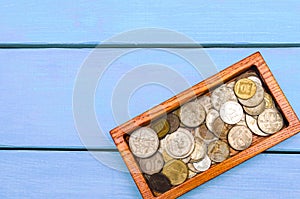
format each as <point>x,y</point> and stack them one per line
<point>42,155</point>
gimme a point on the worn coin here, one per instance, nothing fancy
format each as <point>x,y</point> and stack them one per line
<point>221,129</point>
<point>255,110</point>
<point>180,144</point>
<point>186,160</point>
<point>199,150</point>
<point>203,133</point>
<point>245,88</point>
<point>191,174</point>
<point>252,124</point>
<point>203,164</point>
<point>218,151</point>
<point>192,114</point>
<point>173,121</point>
<point>231,85</point>
<point>176,171</point>
<point>255,79</point>
<point>159,183</point>
<point>221,95</point>
<point>152,164</point>
<point>257,98</point>
<point>143,142</point>
<point>270,121</point>
<point>210,118</point>
<point>269,103</point>
<point>242,121</point>
<point>205,101</point>
<point>192,168</point>
<point>239,137</point>
<point>231,112</point>
<point>161,127</point>
<point>166,156</point>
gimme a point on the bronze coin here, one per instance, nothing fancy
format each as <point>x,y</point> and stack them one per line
<point>161,127</point>
<point>159,182</point>
<point>174,122</point>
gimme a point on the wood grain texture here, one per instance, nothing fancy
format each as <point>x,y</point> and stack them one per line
<point>33,174</point>
<point>255,62</point>
<point>93,22</point>
<point>37,87</point>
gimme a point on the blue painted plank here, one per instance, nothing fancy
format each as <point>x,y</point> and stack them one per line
<point>30,174</point>
<point>28,21</point>
<point>37,87</point>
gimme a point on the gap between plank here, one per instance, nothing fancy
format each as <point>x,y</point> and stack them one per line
<point>161,45</point>
<point>10,148</point>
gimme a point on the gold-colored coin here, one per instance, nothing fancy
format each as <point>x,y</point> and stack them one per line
<point>176,171</point>
<point>245,88</point>
<point>161,127</point>
<point>269,103</point>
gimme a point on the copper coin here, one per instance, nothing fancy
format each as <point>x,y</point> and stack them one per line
<point>173,121</point>
<point>159,183</point>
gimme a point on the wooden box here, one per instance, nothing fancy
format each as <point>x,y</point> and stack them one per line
<point>256,63</point>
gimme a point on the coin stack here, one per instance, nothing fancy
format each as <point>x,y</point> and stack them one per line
<point>204,132</point>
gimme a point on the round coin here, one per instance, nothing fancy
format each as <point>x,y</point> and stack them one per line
<point>221,129</point>
<point>245,88</point>
<point>180,144</point>
<point>205,101</point>
<point>176,171</point>
<point>269,103</point>
<point>255,79</point>
<point>199,150</point>
<point>203,133</point>
<point>257,98</point>
<point>152,164</point>
<point>192,114</point>
<point>231,112</point>
<point>239,137</point>
<point>173,122</point>
<point>270,121</point>
<point>191,174</point>
<point>210,118</point>
<point>143,142</point>
<point>203,164</point>
<point>161,127</point>
<point>231,85</point>
<point>218,151</point>
<point>255,110</point>
<point>252,124</point>
<point>159,183</point>
<point>221,95</point>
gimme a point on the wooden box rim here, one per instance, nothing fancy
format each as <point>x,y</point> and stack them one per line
<point>255,60</point>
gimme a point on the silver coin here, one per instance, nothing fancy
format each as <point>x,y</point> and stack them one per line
<point>152,164</point>
<point>255,79</point>
<point>231,112</point>
<point>218,151</point>
<point>256,99</point>
<point>203,133</point>
<point>255,110</point>
<point>242,121</point>
<point>221,95</point>
<point>211,116</point>
<point>180,144</point>
<point>220,128</point>
<point>199,151</point>
<point>192,168</point>
<point>143,142</point>
<point>191,174</point>
<point>192,114</point>
<point>205,102</point>
<point>231,85</point>
<point>186,160</point>
<point>270,121</point>
<point>203,164</point>
<point>239,137</point>
<point>252,124</point>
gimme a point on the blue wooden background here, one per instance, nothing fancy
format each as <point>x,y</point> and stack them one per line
<point>42,47</point>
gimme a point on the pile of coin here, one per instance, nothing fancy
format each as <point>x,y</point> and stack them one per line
<point>204,132</point>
